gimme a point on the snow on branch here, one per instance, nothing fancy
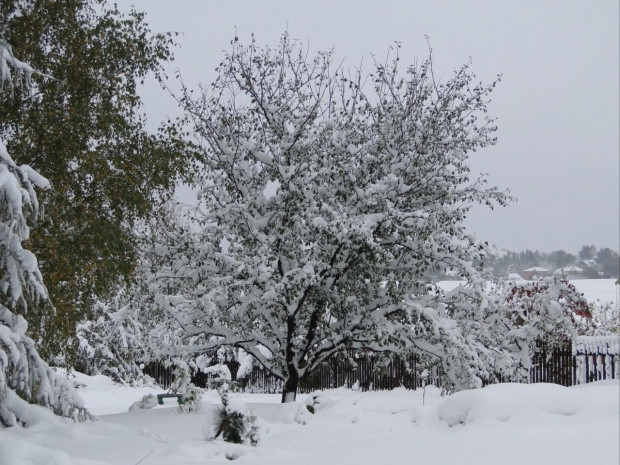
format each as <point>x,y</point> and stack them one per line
<point>22,75</point>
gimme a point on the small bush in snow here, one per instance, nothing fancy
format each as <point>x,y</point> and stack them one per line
<point>232,422</point>
<point>315,402</point>
<point>147,402</point>
<point>192,399</point>
<point>192,395</point>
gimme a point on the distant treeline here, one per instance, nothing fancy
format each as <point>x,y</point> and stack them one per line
<point>591,262</point>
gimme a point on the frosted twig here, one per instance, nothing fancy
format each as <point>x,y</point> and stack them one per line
<point>145,457</point>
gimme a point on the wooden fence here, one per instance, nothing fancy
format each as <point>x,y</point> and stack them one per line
<point>362,374</point>
<point>553,366</point>
<point>566,366</point>
<point>163,376</point>
<point>356,372</point>
<point>589,359</point>
<point>596,359</point>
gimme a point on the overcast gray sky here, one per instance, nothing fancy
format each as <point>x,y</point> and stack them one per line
<point>557,105</point>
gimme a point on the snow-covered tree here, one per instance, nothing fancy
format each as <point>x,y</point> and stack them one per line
<point>329,200</point>
<point>605,319</point>
<point>24,377</point>
<point>115,339</point>
<point>501,329</point>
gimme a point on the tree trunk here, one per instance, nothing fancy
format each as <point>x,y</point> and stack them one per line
<point>289,390</point>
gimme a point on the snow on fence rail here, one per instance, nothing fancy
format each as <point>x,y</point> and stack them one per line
<point>596,358</point>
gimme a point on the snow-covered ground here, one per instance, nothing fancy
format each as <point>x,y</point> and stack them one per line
<point>603,290</point>
<point>502,424</point>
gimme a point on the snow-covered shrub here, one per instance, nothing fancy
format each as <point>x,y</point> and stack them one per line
<point>605,319</point>
<point>182,377</point>
<point>192,399</point>
<point>191,394</point>
<point>147,402</point>
<point>220,374</point>
<point>232,422</point>
<point>127,327</point>
<point>24,377</point>
<point>490,334</point>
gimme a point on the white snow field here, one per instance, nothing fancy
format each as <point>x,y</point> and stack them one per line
<point>502,424</point>
<point>603,290</point>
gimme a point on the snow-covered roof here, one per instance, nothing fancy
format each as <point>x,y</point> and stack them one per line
<point>572,268</point>
<point>537,268</point>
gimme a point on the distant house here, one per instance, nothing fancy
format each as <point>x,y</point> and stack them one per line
<point>571,271</point>
<point>514,277</point>
<point>588,264</point>
<point>536,272</point>
<point>591,269</point>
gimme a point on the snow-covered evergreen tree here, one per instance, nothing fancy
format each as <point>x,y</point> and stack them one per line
<point>327,206</point>
<point>25,378</point>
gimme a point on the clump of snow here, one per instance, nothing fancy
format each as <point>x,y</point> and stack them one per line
<point>147,402</point>
<point>235,406</point>
<point>220,370</point>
